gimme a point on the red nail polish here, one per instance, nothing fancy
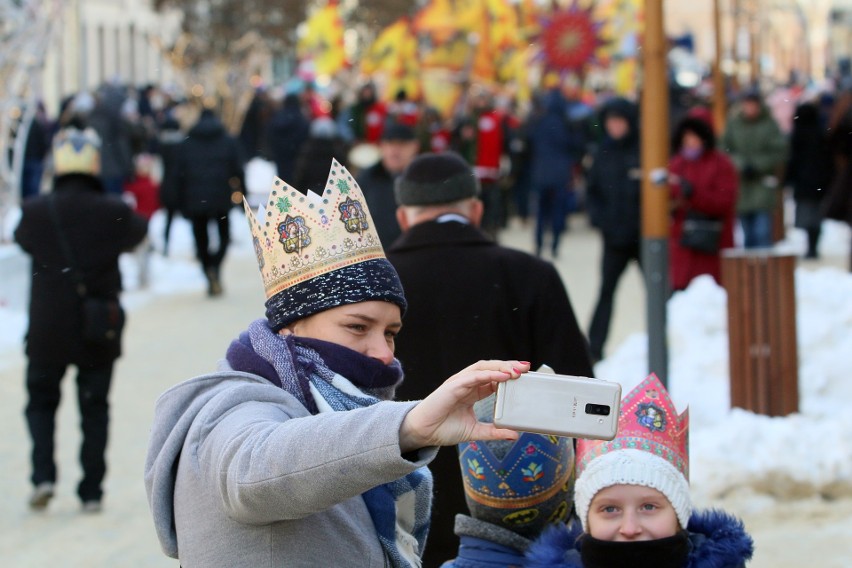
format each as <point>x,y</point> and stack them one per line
<point>524,362</point>
<point>517,370</point>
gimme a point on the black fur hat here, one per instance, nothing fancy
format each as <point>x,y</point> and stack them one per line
<point>432,179</point>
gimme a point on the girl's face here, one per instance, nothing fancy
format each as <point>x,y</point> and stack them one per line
<point>366,327</point>
<point>691,141</point>
<point>631,513</point>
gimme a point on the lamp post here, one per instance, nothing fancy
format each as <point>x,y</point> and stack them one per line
<point>655,192</point>
<point>719,103</point>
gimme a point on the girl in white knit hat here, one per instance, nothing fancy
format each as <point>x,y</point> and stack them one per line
<point>632,499</point>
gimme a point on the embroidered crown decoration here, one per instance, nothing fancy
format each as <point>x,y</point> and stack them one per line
<point>298,236</point>
<point>648,421</point>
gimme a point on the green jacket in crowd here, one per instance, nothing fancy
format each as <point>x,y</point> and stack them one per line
<point>758,148</point>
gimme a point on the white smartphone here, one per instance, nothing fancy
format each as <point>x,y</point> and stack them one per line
<point>562,405</point>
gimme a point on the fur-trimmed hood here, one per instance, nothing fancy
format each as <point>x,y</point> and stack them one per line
<point>717,540</point>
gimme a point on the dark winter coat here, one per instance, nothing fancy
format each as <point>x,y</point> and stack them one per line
<point>713,181</point>
<point>314,162</point>
<point>758,149</point>
<point>38,141</point>
<point>613,192</point>
<point>810,165</point>
<point>555,146</point>
<point>287,132</point>
<point>471,299</point>
<point>208,169</point>
<point>377,185</point>
<point>169,141</point>
<point>114,131</point>
<point>716,540</point>
<point>98,228</point>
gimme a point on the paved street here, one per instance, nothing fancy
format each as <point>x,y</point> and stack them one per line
<point>169,339</point>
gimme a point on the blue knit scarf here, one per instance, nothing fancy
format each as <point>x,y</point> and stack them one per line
<point>328,377</point>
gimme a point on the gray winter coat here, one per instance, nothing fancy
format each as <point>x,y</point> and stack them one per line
<point>239,473</point>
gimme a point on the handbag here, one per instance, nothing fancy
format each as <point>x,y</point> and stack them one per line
<point>702,233</point>
<point>102,317</point>
<point>103,320</point>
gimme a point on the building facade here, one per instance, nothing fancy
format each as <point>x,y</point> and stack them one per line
<point>108,40</point>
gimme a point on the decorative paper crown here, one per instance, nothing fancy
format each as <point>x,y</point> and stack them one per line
<point>650,449</point>
<point>522,485</point>
<point>76,152</point>
<point>318,251</point>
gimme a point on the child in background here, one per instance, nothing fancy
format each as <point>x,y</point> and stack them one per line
<point>632,499</point>
<point>142,192</point>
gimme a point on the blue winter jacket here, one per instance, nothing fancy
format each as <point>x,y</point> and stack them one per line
<point>555,146</point>
<point>484,545</point>
<point>717,540</point>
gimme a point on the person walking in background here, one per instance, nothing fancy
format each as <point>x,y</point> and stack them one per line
<point>481,138</point>
<point>114,131</point>
<point>703,188</point>
<point>287,132</point>
<point>35,151</point>
<point>554,148</point>
<point>368,115</point>
<point>399,145</point>
<point>838,204</point>
<point>74,236</point>
<point>810,169</point>
<point>143,194</point>
<point>758,148</point>
<point>469,299</point>
<point>208,173</point>
<point>614,208</point>
<point>323,144</point>
<point>170,137</point>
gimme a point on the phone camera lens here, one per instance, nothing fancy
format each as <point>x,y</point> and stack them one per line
<point>597,409</point>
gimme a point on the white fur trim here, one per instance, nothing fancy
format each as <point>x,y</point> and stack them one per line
<point>632,467</point>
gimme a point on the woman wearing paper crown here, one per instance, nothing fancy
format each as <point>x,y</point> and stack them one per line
<point>293,454</point>
<point>632,499</point>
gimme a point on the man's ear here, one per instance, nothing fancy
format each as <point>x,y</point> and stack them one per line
<point>476,210</point>
<point>402,219</point>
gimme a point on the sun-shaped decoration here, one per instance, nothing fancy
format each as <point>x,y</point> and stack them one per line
<point>570,38</point>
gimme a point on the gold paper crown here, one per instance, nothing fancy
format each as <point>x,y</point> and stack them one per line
<point>76,152</point>
<point>298,236</point>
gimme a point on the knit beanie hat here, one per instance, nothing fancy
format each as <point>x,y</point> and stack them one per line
<point>523,485</point>
<point>650,449</point>
<point>319,251</point>
<point>432,179</point>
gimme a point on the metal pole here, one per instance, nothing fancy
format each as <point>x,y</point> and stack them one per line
<point>719,102</point>
<point>655,192</point>
<point>754,34</point>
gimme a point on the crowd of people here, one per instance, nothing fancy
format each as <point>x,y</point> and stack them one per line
<point>306,443</point>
